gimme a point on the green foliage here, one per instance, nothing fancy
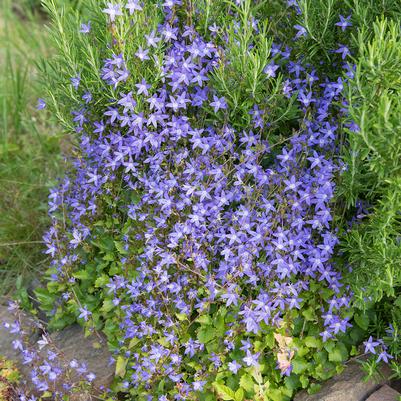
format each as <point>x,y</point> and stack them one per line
<point>29,148</point>
<point>373,159</point>
<point>241,81</point>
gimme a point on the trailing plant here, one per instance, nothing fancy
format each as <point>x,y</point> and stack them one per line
<point>194,226</point>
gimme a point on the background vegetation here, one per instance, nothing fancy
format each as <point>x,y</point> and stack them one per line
<point>29,144</point>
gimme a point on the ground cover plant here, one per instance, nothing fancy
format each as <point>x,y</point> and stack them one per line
<point>208,222</point>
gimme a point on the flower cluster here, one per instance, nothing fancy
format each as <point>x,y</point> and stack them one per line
<point>378,348</point>
<point>220,234</point>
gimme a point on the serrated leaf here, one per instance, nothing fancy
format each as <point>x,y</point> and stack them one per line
<point>246,382</point>
<point>339,353</point>
<point>134,341</point>
<point>82,275</point>
<point>204,319</point>
<point>239,394</point>
<point>224,392</point>
<point>299,365</point>
<point>309,314</point>
<point>107,306</point>
<point>205,334</point>
<point>313,342</point>
<point>121,366</point>
<point>181,316</point>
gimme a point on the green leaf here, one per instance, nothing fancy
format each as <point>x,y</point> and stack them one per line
<point>299,365</point>
<point>120,246</point>
<point>313,342</point>
<point>134,341</point>
<point>314,388</point>
<point>102,281</point>
<point>224,392</point>
<point>292,382</point>
<point>246,382</point>
<point>82,275</point>
<point>107,306</point>
<point>121,365</point>
<point>239,394</point>
<point>362,320</point>
<point>339,353</point>
<point>181,316</point>
<point>309,314</point>
<point>204,319</point>
<point>44,297</point>
<point>304,381</point>
<point>205,334</point>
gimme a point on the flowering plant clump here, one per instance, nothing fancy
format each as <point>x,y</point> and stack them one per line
<point>195,225</point>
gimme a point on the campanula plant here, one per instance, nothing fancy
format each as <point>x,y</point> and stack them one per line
<point>195,226</point>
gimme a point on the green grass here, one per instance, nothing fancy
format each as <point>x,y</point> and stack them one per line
<point>29,146</point>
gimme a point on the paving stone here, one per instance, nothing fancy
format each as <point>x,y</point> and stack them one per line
<point>385,393</point>
<point>347,386</point>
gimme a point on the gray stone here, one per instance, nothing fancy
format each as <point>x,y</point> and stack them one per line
<point>347,386</point>
<point>385,393</point>
<point>92,350</point>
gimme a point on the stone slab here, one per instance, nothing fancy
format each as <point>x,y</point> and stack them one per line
<point>347,386</point>
<point>385,393</point>
<point>73,344</point>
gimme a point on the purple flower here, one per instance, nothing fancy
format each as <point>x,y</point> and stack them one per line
<point>218,103</point>
<point>75,81</point>
<point>231,297</point>
<point>142,54</point>
<point>169,33</point>
<point>87,97</point>
<point>199,384</point>
<point>234,366</point>
<point>41,104</point>
<point>85,313</point>
<point>251,359</point>
<point>384,356</point>
<point>301,31</point>
<point>132,6</point>
<point>326,335</point>
<point>343,50</point>
<point>306,99</point>
<point>85,28</point>
<point>143,88</point>
<point>171,3</point>
<point>344,22</point>
<point>270,70</point>
<point>113,10</point>
<point>370,345</point>
<point>152,40</point>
